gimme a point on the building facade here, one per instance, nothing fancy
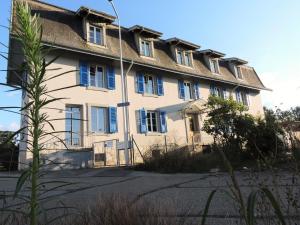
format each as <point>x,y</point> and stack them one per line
<point>167,84</point>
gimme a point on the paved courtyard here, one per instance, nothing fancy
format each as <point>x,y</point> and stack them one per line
<point>187,193</point>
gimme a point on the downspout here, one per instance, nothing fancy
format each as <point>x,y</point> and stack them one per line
<point>127,99</point>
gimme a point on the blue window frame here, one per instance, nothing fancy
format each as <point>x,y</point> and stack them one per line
<point>96,35</point>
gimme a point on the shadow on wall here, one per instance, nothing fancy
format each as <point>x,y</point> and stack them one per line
<point>67,159</point>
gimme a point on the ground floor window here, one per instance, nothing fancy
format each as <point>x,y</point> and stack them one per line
<point>73,125</point>
<point>99,119</point>
<point>152,121</point>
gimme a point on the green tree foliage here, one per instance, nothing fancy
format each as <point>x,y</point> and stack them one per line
<point>236,130</point>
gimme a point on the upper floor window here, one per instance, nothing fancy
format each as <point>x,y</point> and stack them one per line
<point>96,35</point>
<point>243,97</point>
<point>188,90</point>
<point>214,66</point>
<point>184,57</point>
<point>219,92</point>
<point>146,48</point>
<point>238,71</point>
<point>150,84</point>
<point>96,77</point>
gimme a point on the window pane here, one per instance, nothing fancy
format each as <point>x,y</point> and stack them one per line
<point>187,90</point>
<point>94,119</point>
<point>187,59</point>
<point>92,34</point>
<point>100,77</point>
<point>92,76</point>
<point>149,84</point>
<point>149,121</point>
<point>154,122</point>
<point>147,49</point>
<point>98,36</point>
<point>101,120</point>
<point>73,126</point>
<point>179,57</point>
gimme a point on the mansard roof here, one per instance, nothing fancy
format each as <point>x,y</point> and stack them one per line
<point>63,29</point>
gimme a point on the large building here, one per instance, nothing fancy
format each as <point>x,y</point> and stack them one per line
<point>167,84</point>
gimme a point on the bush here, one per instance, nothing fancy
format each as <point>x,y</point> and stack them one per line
<point>182,160</point>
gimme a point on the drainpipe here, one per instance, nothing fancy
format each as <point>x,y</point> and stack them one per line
<point>124,90</point>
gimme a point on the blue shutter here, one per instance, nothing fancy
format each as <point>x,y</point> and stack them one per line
<point>160,86</point>
<point>212,90</point>
<point>83,73</point>
<point>111,78</point>
<point>181,89</point>
<point>140,83</point>
<point>113,125</point>
<point>196,90</point>
<point>163,122</point>
<point>143,121</point>
<point>238,96</point>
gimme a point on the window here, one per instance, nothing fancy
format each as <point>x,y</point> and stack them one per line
<point>73,125</point>
<point>184,57</point>
<point>150,84</point>
<point>152,121</point>
<point>96,35</point>
<point>146,49</point>
<point>214,66</point>
<point>99,119</point>
<point>188,90</point>
<point>239,73</point>
<point>219,92</point>
<point>96,77</point>
<point>243,97</point>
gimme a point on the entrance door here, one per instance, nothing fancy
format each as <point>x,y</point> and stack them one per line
<point>193,126</point>
<point>73,126</point>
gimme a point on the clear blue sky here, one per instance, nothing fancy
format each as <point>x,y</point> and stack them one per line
<point>264,32</point>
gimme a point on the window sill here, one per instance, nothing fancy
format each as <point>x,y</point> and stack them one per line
<point>97,89</point>
<point>185,66</point>
<point>96,45</point>
<point>154,134</point>
<point>150,95</point>
<point>217,74</point>
<point>148,57</point>
<point>98,134</point>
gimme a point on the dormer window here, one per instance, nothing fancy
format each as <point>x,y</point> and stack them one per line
<point>146,48</point>
<point>214,66</point>
<point>238,71</point>
<point>96,35</point>
<point>184,57</point>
